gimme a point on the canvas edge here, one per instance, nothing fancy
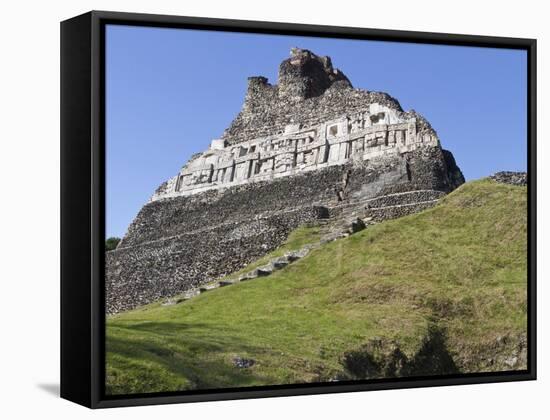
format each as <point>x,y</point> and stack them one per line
<point>76,186</point>
<point>90,308</point>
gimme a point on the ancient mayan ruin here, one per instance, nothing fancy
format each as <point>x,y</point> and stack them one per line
<point>308,148</point>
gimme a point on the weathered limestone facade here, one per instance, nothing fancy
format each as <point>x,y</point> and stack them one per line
<point>311,119</point>
<point>307,148</point>
<point>377,131</point>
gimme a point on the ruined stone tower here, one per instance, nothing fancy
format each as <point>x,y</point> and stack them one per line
<point>298,151</point>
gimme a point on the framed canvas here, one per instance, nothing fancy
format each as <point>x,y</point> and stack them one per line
<point>257,209</point>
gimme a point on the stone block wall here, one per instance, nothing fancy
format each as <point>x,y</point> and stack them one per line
<point>177,244</point>
<point>144,273</point>
<point>163,218</point>
<point>404,198</point>
<point>393,212</point>
<point>311,119</point>
<point>424,168</point>
<point>298,151</point>
<point>512,178</point>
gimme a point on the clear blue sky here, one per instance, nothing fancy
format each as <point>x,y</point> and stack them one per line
<point>171,91</point>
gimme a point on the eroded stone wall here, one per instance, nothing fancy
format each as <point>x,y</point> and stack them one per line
<point>313,118</point>
<point>143,273</point>
<point>298,151</point>
<point>512,178</point>
<point>177,244</point>
<point>375,132</point>
<point>309,92</point>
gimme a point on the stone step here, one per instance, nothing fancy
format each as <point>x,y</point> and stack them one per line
<point>264,270</point>
<point>246,276</point>
<point>226,283</point>
<point>279,263</point>
<point>207,288</point>
<point>296,255</point>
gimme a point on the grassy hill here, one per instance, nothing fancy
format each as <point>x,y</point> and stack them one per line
<point>440,291</point>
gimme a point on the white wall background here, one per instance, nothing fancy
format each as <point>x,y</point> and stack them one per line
<point>29,212</point>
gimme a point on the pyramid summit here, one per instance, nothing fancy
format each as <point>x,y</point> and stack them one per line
<point>305,75</point>
<point>311,119</point>
<point>311,147</point>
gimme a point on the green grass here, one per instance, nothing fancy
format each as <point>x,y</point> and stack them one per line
<point>460,265</point>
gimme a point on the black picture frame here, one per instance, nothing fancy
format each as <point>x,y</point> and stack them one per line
<point>83,206</point>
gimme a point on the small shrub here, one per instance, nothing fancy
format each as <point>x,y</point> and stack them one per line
<point>111,243</point>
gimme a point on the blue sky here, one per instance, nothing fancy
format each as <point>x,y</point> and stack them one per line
<point>171,91</point>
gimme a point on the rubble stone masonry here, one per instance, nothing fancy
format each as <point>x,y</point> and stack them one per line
<point>296,149</point>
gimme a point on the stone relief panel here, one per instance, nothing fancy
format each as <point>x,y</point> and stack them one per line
<point>377,131</point>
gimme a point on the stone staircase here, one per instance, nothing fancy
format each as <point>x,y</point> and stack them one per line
<point>344,220</point>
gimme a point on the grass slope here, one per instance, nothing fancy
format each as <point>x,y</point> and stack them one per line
<point>460,265</point>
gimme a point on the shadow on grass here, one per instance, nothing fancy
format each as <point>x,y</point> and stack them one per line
<point>383,358</point>
<point>160,353</point>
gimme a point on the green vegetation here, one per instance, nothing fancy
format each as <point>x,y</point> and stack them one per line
<point>460,266</point>
<point>111,243</point>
